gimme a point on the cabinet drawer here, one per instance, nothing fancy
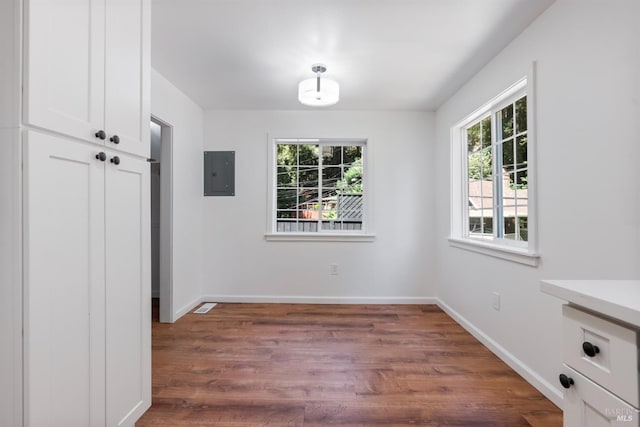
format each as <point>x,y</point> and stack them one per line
<point>603,351</point>
<point>587,404</point>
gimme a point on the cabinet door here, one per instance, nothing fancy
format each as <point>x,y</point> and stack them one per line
<point>64,66</point>
<point>128,289</point>
<point>127,74</point>
<point>586,404</point>
<point>63,283</point>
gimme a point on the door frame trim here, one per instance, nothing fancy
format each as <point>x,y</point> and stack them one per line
<point>167,313</point>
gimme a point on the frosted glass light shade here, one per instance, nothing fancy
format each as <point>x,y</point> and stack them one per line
<point>308,92</point>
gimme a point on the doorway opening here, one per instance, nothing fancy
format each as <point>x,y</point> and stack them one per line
<point>161,220</point>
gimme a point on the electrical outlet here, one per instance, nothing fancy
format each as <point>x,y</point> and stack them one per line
<point>496,301</point>
<point>334,269</point>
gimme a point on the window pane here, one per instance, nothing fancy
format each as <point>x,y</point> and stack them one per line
<point>308,154</point>
<point>486,132</point>
<point>522,213</point>
<point>479,165</point>
<point>349,206</point>
<point>331,155</point>
<point>507,155</point>
<point>523,228</point>
<point>287,154</point>
<point>509,227</point>
<point>288,214</point>
<point>352,179</point>
<point>521,152</point>
<point>505,118</point>
<point>330,176</point>
<point>308,177</point>
<point>308,204</point>
<point>351,154</point>
<point>508,195</point>
<point>330,213</point>
<point>287,199</point>
<point>521,114</point>
<point>521,179</point>
<point>287,176</point>
<point>474,142</point>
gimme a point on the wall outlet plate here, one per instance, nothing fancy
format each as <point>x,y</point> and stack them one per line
<point>334,269</point>
<point>496,301</point>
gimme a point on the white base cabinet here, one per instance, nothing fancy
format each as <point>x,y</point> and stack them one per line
<point>600,349</point>
<point>86,284</point>
<point>588,404</point>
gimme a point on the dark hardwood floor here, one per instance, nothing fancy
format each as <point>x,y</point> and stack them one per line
<point>324,365</point>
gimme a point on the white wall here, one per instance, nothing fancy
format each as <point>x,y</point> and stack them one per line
<point>173,107</point>
<point>588,77</point>
<point>397,266</point>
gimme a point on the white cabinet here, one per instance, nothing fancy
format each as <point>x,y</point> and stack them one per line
<point>128,289</point>
<point>587,404</point>
<point>64,276</point>
<point>600,351</point>
<point>86,284</point>
<point>75,265</point>
<point>600,371</point>
<point>86,70</point>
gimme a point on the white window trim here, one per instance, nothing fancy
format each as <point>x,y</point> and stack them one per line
<point>500,248</point>
<point>364,235</point>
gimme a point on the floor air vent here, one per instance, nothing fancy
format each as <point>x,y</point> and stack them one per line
<point>204,308</point>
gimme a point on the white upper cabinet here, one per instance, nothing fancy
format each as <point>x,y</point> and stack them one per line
<point>86,70</point>
<point>64,66</point>
<point>127,75</point>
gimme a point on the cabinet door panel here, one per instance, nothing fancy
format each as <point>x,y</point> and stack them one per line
<point>127,74</point>
<point>64,66</point>
<point>63,283</point>
<point>586,404</point>
<point>128,290</point>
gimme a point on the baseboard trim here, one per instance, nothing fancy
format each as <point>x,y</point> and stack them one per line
<point>514,363</point>
<point>317,299</point>
<point>187,308</point>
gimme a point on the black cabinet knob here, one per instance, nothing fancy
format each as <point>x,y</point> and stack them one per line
<point>115,160</point>
<point>101,156</point>
<point>115,139</point>
<point>101,135</point>
<point>565,381</point>
<point>590,349</point>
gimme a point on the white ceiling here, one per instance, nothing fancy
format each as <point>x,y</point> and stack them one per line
<point>386,54</point>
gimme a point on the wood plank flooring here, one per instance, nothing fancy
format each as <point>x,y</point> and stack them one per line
<point>333,365</point>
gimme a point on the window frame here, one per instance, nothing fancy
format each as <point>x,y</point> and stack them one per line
<point>524,252</point>
<point>364,235</point>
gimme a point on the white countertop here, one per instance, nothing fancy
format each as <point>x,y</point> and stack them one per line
<point>619,299</point>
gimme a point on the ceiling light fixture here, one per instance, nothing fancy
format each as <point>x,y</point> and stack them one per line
<point>318,92</point>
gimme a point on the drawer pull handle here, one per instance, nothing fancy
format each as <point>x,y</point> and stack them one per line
<point>590,349</point>
<point>565,381</point>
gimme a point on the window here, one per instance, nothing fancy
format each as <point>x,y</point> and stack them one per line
<point>492,147</point>
<point>318,186</point>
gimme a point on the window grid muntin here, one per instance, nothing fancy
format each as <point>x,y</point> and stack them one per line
<point>497,144</point>
<point>342,222</point>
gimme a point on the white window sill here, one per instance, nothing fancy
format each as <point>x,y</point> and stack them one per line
<point>509,253</point>
<point>319,237</point>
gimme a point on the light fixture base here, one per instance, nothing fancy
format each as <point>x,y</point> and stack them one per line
<point>318,68</point>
